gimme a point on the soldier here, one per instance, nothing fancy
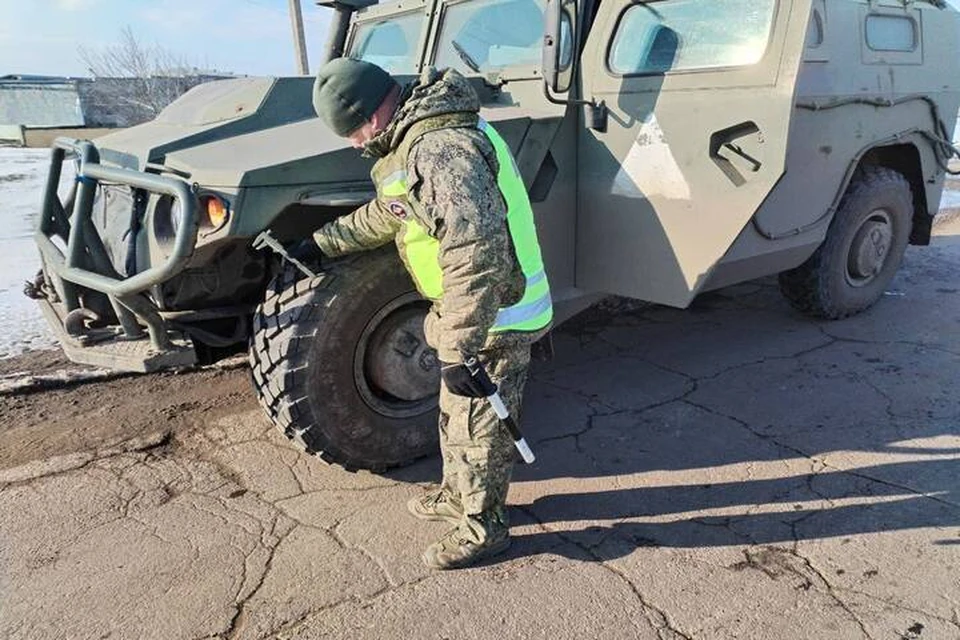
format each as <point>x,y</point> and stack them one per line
<point>450,196</point>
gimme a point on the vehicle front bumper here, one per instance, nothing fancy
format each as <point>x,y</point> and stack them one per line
<point>83,265</point>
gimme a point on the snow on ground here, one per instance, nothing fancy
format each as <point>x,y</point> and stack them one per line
<point>951,200</point>
<point>23,174</point>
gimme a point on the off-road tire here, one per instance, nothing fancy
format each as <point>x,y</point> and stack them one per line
<point>822,286</point>
<point>302,350</point>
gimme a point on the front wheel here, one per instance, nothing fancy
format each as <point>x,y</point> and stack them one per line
<point>862,251</point>
<point>340,363</point>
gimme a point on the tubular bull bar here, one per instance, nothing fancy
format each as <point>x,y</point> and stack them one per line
<point>73,224</point>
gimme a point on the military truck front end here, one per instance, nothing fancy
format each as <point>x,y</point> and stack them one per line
<point>156,231</point>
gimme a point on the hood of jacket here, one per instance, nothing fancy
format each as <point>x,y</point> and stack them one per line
<point>435,93</point>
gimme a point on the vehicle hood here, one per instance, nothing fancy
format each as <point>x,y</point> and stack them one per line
<point>301,153</point>
<point>207,113</point>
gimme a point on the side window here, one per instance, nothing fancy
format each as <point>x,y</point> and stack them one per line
<point>817,49</point>
<point>891,36</point>
<point>392,43</point>
<point>891,33</point>
<point>485,35</point>
<point>815,31</point>
<point>679,35</point>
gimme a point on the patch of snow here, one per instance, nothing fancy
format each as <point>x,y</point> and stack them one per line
<point>23,175</point>
<point>20,382</point>
<point>950,200</point>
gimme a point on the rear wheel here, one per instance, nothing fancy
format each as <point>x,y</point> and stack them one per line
<point>340,363</point>
<point>862,251</point>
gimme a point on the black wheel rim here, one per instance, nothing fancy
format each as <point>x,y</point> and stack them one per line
<point>395,372</point>
<point>869,249</point>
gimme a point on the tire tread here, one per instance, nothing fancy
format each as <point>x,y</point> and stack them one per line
<point>290,314</point>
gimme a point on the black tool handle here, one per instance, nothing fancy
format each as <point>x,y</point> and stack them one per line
<point>477,371</point>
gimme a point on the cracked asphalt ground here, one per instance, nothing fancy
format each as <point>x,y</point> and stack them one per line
<point>730,471</point>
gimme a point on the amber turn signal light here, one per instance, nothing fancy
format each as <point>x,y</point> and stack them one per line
<point>216,211</point>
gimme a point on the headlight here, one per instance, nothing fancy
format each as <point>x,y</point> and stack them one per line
<point>167,218</point>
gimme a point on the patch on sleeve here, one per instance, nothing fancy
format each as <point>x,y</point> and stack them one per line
<point>399,209</point>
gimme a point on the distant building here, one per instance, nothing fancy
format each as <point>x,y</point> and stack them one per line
<point>40,101</point>
<point>45,101</point>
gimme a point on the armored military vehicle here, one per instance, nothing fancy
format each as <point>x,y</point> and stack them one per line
<point>669,148</point>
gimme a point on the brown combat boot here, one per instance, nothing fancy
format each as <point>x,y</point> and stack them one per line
<point>436,505</point>
<point>477,537</point>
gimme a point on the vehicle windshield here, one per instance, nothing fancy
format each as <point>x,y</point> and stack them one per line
<point>476,36</point>
<point>392,43</point>
<point>486,35</point>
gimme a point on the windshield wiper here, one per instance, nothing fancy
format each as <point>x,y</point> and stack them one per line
<point>469,61</point>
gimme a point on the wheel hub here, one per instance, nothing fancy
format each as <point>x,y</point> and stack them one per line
<point>869,249</point>
<point>398,361</point>
<point>397,373</point>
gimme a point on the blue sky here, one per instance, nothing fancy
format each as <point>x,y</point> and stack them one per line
<point>242,36</point>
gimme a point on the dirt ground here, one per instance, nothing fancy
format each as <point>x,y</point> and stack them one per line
<point>730,471</point>
<point>76,418</point>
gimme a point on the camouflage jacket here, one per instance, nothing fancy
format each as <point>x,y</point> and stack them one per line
<point>452,185</point>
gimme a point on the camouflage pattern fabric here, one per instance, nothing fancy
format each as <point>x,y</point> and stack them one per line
<point>478,452</point>
<point>452,192</point>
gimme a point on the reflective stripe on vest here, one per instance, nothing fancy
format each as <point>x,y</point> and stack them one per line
<point>534,311</point>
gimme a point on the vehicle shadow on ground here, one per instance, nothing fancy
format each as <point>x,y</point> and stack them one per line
<point>891,451</point>
<point>885,472</point>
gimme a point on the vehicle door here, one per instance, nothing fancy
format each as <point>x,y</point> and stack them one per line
<point>497,44</point>
<point>700,94</point>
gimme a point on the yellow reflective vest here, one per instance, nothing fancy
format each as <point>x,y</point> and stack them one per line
<point>420,251</point>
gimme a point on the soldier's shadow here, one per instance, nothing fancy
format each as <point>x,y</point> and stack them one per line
<point>758,512</point>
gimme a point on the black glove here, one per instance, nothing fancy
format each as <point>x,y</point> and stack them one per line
<point>306,251</point>
<point>461,382</point>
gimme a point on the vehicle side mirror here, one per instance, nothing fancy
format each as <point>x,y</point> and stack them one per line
<point>550,66</point>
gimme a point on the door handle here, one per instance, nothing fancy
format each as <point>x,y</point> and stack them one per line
<point>729,148</point>
<point>753,162</point>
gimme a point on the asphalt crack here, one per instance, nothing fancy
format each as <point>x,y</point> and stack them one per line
<point>628,352</point>
<point>237,623</point>
<point>904,343</point>
<point>82,460</point>
<point>658,619</point>
<point>772,562</point>
<point>803,454</point>
<point>294,625</point>
<point>954,620</point>
<point>376,560</point>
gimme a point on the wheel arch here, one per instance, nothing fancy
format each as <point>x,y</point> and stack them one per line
<point>298,220</point>
<point>849,271</point>
<point>905,158</point>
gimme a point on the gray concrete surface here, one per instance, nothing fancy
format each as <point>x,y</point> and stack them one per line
<point>731,471</point>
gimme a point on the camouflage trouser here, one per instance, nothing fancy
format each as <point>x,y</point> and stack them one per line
<point>478,452</point>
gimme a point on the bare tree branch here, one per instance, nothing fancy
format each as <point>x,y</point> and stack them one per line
<point>143,78</point>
